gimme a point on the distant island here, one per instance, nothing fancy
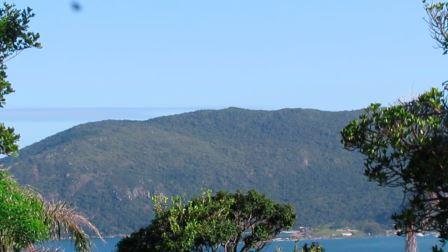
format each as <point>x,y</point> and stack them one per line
<point>108,169</point>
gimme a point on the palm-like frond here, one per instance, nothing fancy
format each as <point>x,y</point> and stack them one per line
<point>34,249</point>
<point>64,220</point>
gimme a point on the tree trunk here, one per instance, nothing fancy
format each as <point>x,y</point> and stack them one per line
<point>231,247</point>
<point>411,242</point>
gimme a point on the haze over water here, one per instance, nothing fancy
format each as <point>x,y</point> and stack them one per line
<point>34,125</point>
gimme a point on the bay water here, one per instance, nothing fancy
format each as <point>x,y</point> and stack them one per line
<point>363,244</point>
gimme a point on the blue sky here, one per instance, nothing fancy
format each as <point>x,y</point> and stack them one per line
<point>330,55</point>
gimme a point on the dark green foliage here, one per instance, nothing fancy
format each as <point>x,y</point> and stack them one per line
<point>14,37</point>
<point>14,34</point>
<point>208,222</point>
<point>106,169</point>
<point>405,146</point>
<point>314,247</point>
<point>25,218</point>
<point>437,249</point>
<point>22,215</point>
<point>258,219</point>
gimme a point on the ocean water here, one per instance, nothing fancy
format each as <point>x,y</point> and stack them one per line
<point>366,244</point>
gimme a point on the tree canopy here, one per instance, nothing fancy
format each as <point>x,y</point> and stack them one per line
<point>14,38</point>
<point>438,22</point>
<point>25,217</point>
<point>211,221</point>
<point>405,146</point>
<point>22,216</point>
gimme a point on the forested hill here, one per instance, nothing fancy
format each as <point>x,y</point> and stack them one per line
<point>106,169</point>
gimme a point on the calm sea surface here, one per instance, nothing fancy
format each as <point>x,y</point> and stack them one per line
<point>368,244</point>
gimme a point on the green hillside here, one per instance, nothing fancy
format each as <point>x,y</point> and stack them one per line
<point>106,169</point>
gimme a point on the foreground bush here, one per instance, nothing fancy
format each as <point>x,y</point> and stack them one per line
<point>211,221</point>
<point>26,219</point>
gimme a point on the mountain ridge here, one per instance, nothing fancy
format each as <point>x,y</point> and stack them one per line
<point>108,168</point>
